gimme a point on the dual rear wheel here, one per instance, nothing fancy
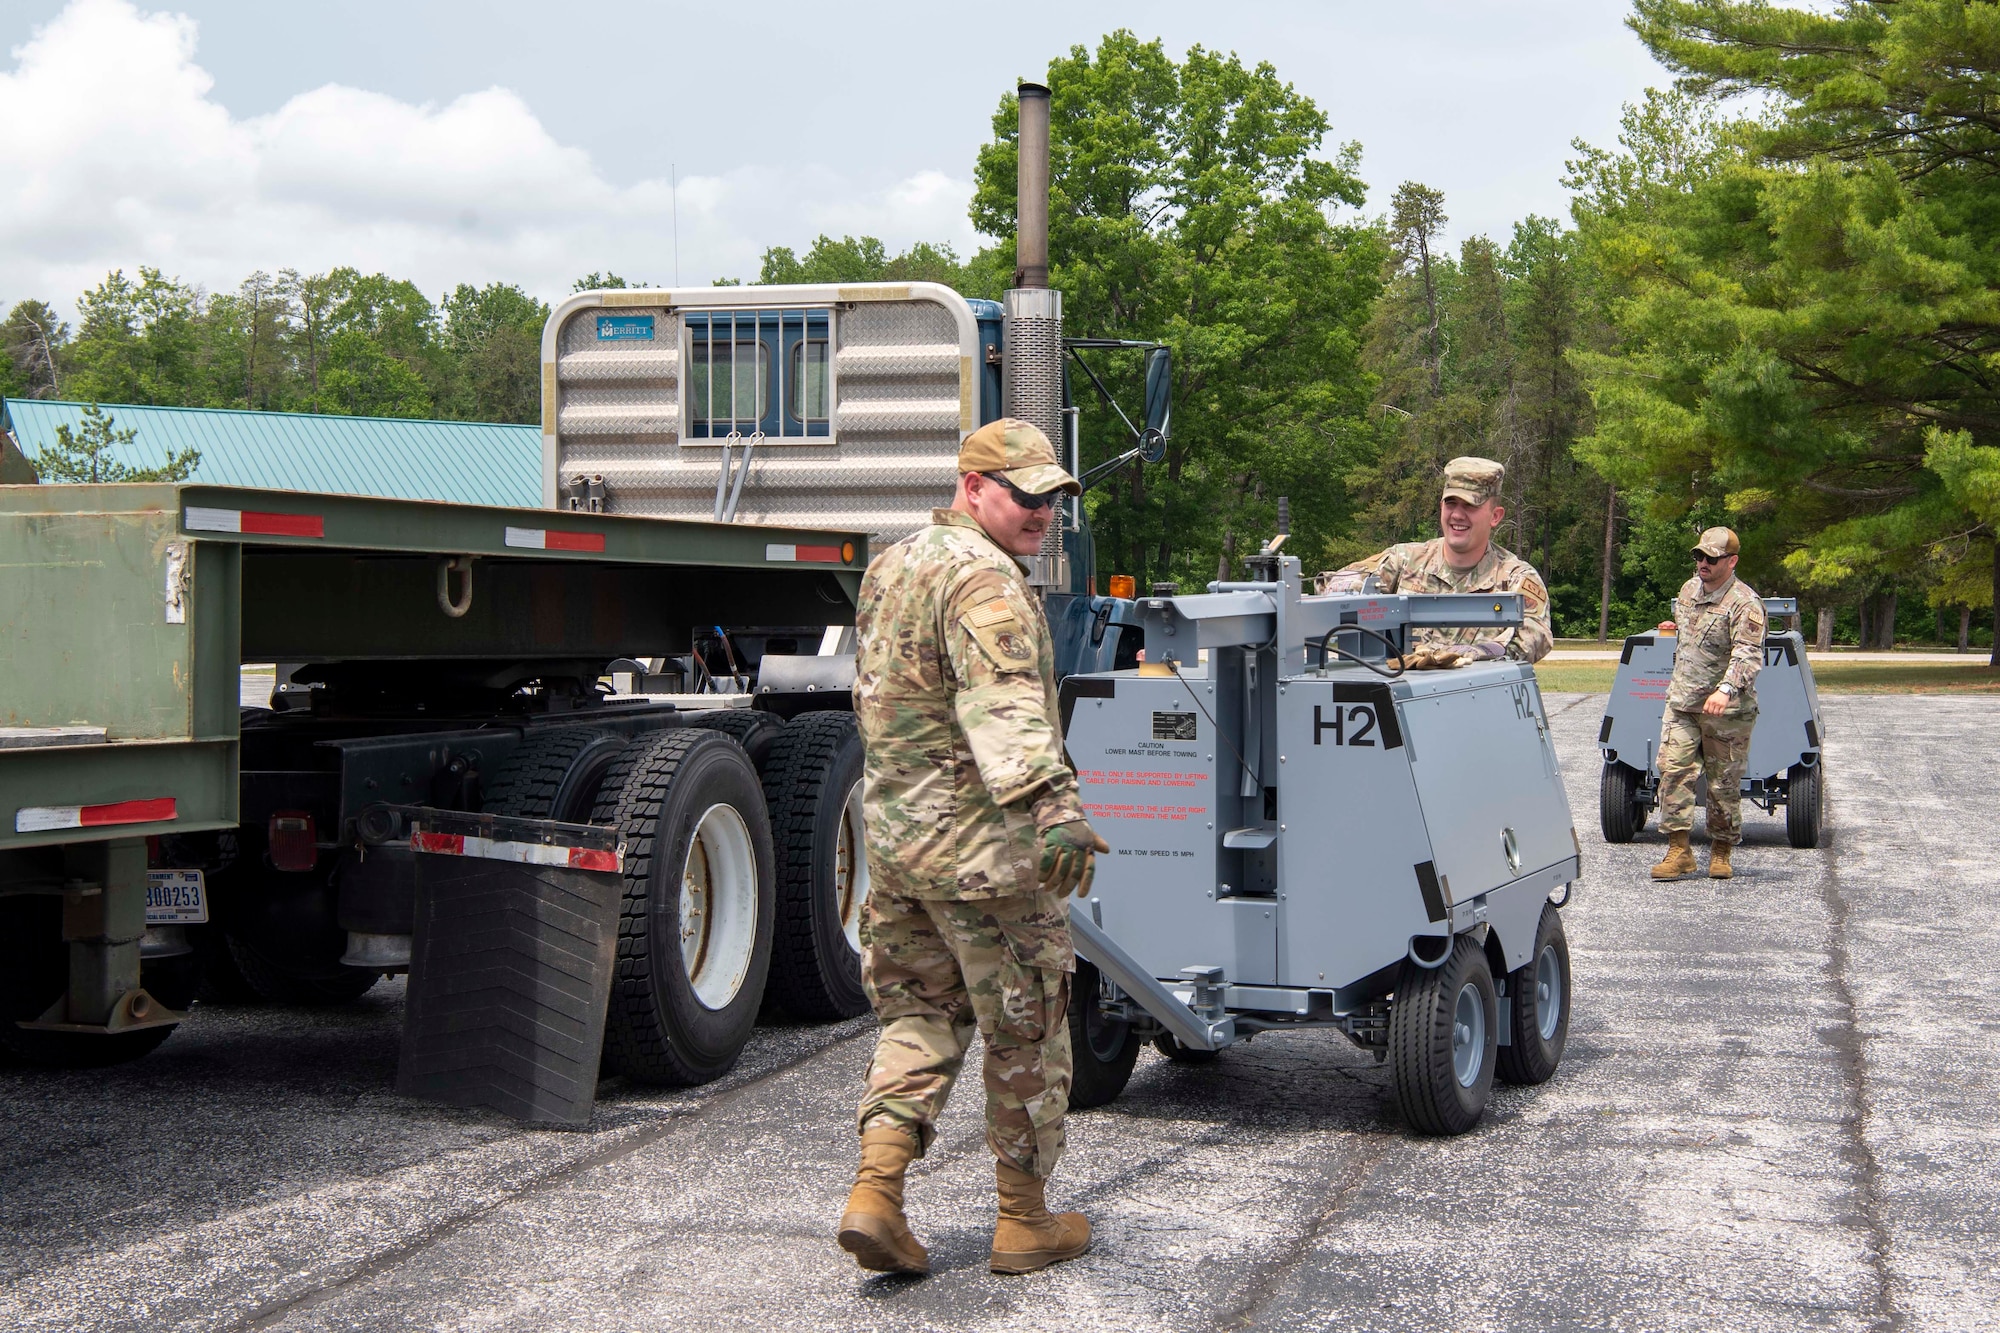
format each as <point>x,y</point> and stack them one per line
<point>745,875</point>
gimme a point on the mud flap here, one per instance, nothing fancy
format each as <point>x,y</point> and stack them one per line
<point>511,963</point>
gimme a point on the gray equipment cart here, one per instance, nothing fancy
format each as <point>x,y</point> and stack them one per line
<point>1303,837</point>
<point>1785,766</point>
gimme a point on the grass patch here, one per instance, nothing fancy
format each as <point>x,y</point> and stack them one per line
<point>1833,677</point>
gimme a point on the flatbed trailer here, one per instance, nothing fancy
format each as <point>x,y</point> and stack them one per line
<point>443,656</point>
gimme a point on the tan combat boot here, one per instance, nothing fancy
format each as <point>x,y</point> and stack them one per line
<point>1679,860</point>
<point>1028,1237</point>
<point>1718,861</point>
<point>873,1229</point>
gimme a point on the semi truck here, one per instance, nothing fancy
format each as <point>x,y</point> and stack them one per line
<point>718,464</point>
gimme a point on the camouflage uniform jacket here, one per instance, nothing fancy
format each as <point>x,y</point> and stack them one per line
<point>1423,567</point>
<point>1721,638</point>
<point>955,692</point>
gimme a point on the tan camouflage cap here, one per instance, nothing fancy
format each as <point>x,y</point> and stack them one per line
<point>1718,542</point>
<point>1473,480</point>
<point>1018,451</point>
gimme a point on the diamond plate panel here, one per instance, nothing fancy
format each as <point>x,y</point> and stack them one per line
<point>896,415</point>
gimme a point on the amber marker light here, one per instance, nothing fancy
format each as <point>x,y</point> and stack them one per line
<point>847,553</point>
<point>1125,586</point>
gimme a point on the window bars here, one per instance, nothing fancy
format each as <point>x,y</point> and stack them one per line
<point>734,397</point>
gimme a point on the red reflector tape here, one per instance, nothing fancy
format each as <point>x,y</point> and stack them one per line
<point>253,522</point>
<point>548,539</point>
<point>40,818</point>
<point>526,853</point>
<point>284,525</point>
<point>820,555</point>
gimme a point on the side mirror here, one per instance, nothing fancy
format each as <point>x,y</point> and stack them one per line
<point>1159,404</point>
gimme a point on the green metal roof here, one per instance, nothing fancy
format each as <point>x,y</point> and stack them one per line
<point>467,462</point>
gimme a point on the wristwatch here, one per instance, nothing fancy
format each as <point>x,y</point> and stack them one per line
<point>1727,689</point>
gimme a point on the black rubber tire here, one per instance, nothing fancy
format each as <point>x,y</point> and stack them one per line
<point>657,1031</point>
<point>554,774</point>
<point>755,731</point>
<point>1168,1045</point>
<point>222,981</point>
<point>285,980</point>
<point>1805,804</point>
<point>1102,1050</point>
<point>1620,813</point>
<point>813,765</point>
<point>34,973</point>
<point>1420,1041</point>
<point>1530,1057</point>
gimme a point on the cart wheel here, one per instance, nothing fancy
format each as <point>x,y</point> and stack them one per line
<point>694,931</point>
<point>1540,989</point>
<point>554,774</point>
<point>1805,802</point>
<point>1102,1049</point>
<point>1168,1045</point>
<point>1442,1036</point>
<point>812,786</point>
<point>1619,809</point>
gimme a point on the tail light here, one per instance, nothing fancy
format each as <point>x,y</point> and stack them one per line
<point>293,839</point>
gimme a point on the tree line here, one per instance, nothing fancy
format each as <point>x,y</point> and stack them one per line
<point>341,342</point>
<point>1775,304</point>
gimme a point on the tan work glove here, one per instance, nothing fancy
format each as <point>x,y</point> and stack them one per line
<point>1434,659</point>
<point>1068,863</point>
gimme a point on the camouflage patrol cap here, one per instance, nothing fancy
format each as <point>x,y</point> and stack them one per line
<point>1717,542</point>
<point>1018,451</point>
<point>1473,480</point>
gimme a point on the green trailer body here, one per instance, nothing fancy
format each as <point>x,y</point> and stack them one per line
<point>126,612</point>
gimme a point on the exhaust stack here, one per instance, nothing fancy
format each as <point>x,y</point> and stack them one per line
<point>1032,360</point>
<point>1031,229</point>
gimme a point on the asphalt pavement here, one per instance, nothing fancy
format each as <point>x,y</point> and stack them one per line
<point>1777,1111</point>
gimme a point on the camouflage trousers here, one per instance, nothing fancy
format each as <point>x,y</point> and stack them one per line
<point>1696,743</point>
<point>936,971</point>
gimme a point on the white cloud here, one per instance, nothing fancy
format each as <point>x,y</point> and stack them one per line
<point>114,154</point>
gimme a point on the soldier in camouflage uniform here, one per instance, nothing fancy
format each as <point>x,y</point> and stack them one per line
<point>975,837</point>
<point>1711,705</point>
<point>1464,559</point>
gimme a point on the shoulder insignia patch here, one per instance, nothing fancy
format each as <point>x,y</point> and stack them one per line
<point>995,612</point>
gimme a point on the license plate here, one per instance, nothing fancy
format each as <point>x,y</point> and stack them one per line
<point>175,898</point>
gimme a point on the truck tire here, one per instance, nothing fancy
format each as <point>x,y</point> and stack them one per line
<point>222,981</point>
<point>1442,1035</point>
<point>1540,990</point>
<point>554,774</point>
<point>34,973</point>
<point>1102,1050</point>
<point>755,731</point>
<point>1805,802</point>
<point>812,787</point>
<point>1620,812</point>
<point>285,979</point>
<point>694,930</point>
<point>1169,1045</point>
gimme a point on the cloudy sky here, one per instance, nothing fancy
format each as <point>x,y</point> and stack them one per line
<point>449,141</point>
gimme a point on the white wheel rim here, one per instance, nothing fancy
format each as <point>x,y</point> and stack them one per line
<point>718,906</point>
<point>850,869</point>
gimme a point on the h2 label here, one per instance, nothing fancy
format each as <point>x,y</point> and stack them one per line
<point>1349,724</point>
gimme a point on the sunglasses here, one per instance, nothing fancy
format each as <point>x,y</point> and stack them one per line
<point>1023,498</point>
<point>1703,558</point>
